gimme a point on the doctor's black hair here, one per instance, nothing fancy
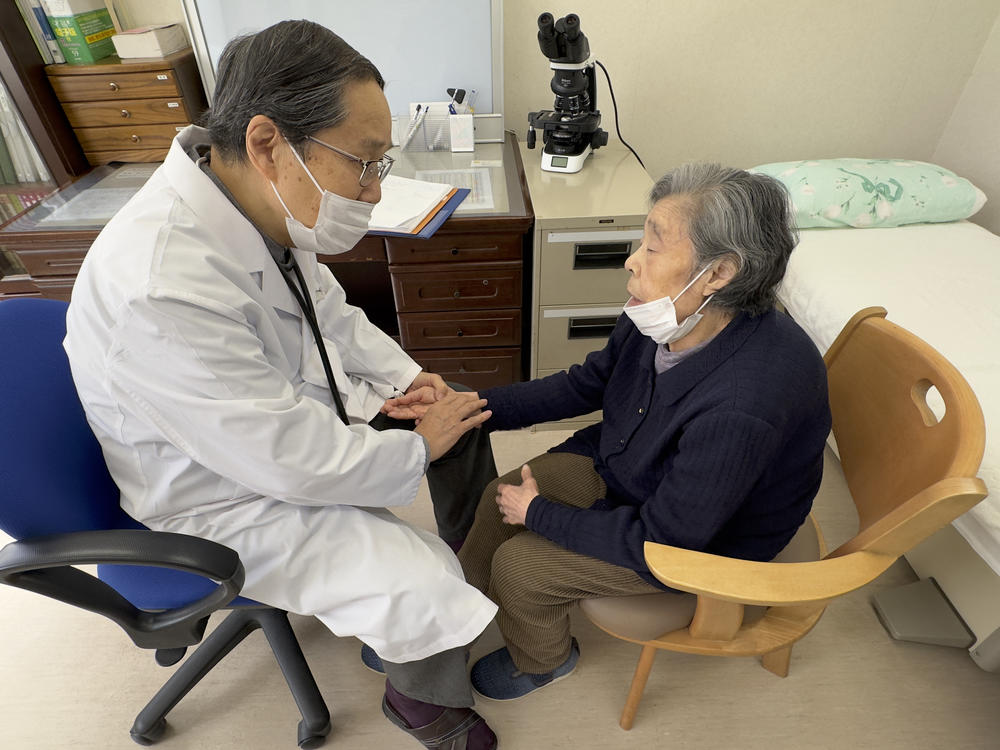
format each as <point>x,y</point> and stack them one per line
<point>295,72</point>
<point>736,214</point>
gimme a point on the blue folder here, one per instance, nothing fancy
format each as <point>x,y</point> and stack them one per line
<point>434,224</point>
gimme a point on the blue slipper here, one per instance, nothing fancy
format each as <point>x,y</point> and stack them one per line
<point>370,659</point>
<point>496,676</point>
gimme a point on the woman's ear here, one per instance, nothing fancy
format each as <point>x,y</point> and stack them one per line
<point>263,144</point>
<point>721,275</point>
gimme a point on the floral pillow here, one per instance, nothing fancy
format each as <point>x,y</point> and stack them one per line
<point>874,192</point>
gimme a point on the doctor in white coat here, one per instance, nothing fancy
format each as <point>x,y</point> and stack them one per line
<point>191,345</point>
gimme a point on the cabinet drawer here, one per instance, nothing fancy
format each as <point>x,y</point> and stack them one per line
<point>567,335</point>
<point>96,158</point>
<point>475,368</point>
<point>56,287</point>
<point>127,137</point>
<point>461,247</point>
<point>40,263</point>
<point>126,111</point>
<point>110,85</point>
<point>456,286</point>
<point>460,330</point>
<point>583,266</point>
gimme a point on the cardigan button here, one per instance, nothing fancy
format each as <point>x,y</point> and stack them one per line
<point>621,442</point>
<point>641,410</point>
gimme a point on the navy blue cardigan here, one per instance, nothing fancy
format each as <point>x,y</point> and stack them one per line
<point>721,453</point>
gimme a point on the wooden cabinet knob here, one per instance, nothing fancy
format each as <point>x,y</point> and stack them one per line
<point>126,114</point>
<point>113,86</point>
<point>135,138</point>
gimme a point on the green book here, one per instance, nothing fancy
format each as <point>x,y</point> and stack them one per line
<point>7,174</point>
<point>83,29</point>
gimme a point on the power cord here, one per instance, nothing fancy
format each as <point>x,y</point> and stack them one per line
<point>615,103</point>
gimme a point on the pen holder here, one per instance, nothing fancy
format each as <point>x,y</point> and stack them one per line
<point>431,132</point>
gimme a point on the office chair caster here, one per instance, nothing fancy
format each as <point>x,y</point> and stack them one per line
<point>310,738</point>
<point>153,734</point>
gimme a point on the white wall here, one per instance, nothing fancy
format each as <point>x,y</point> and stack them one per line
<point>744,82</point>
<point>971,142</point>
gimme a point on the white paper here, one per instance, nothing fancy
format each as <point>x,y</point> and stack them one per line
<point>477,180</point>
<point>406,202</point>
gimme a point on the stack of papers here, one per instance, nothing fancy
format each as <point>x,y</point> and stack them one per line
<point>408,206</point>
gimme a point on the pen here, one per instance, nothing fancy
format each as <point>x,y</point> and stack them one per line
<point>414,123</point>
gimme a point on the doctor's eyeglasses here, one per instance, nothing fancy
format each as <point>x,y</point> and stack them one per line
<point>371,169</point>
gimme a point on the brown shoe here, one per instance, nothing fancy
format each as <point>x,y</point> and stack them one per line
<point>449,731</point>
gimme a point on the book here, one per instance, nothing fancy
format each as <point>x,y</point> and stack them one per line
<point>405,203</point>
<point>150,41</point>
<point>433,221</point>
<point>43,24</point>
<point>7,174</point>
<point>83,29</point>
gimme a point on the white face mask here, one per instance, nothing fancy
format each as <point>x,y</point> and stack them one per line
<point>340,223</point>
<point>658,319</point>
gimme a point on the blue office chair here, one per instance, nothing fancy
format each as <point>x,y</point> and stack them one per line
<point>61,505</point>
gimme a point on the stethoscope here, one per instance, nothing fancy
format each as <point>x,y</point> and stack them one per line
<point>291,273</point>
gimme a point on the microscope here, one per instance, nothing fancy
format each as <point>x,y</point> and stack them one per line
<point>571,131</point>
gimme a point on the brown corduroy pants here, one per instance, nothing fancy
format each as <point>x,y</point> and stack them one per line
<point>534,581</point>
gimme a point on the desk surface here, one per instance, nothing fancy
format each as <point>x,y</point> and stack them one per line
<point>611,183</point>
<point>42,223</point>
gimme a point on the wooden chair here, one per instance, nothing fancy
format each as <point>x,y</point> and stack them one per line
<point>908,473</point>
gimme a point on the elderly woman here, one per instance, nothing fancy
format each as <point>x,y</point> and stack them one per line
<point>715,416</point>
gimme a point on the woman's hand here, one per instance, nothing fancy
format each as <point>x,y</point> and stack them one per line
<point>411,405</point>
<point>514,500</point>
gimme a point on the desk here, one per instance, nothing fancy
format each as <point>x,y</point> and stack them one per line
<point>454,301</point>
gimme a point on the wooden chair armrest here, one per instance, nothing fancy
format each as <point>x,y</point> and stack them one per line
<point>763,583</point>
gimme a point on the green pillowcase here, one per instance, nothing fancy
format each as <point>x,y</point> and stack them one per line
<point>874,192</point>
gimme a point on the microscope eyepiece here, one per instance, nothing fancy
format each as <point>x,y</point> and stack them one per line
<point>572,25</point>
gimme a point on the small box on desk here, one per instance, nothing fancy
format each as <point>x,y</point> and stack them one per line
<point>83,29</point>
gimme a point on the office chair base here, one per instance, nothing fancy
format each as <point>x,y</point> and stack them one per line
<point>151,735</point>
<point>151,724</point>
<point>308,738</point>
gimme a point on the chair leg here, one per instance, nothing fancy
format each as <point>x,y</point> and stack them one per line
<point>642,670</point>
<point>151,722</point>
<point>315,724</point>
<point>777,661</point>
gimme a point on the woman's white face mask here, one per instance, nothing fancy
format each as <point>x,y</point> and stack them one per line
<point>340,223</point>
<point>658,319</point>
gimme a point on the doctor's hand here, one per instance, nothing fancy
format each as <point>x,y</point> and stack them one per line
<point>447,419</point>
<point>514,500</point>
<point>431,379</point>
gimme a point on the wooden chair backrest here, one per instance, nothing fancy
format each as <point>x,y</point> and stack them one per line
<point>891,445</point>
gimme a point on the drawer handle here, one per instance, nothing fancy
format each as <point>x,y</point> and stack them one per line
<point>135,138</point>
<point>591,328</point>
<point>454,251</point>
<point>113,86</point>
<point>457,293</point>
<point>126,114</point>
<point>461,332</point>
<point>601,254</point>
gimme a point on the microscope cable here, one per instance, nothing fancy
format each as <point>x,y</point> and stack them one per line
<point>615,103</point>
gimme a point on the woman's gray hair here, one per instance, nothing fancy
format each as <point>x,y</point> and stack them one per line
<point>735,214</point>
<point>295,72</point>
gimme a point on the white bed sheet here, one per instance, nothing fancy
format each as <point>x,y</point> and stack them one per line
<point>940,281</point>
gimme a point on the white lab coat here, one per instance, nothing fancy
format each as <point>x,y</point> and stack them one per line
<point>205,389</point>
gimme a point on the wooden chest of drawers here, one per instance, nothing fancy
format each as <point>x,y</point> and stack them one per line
<point>129,111</point>
<point>458,301</point>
